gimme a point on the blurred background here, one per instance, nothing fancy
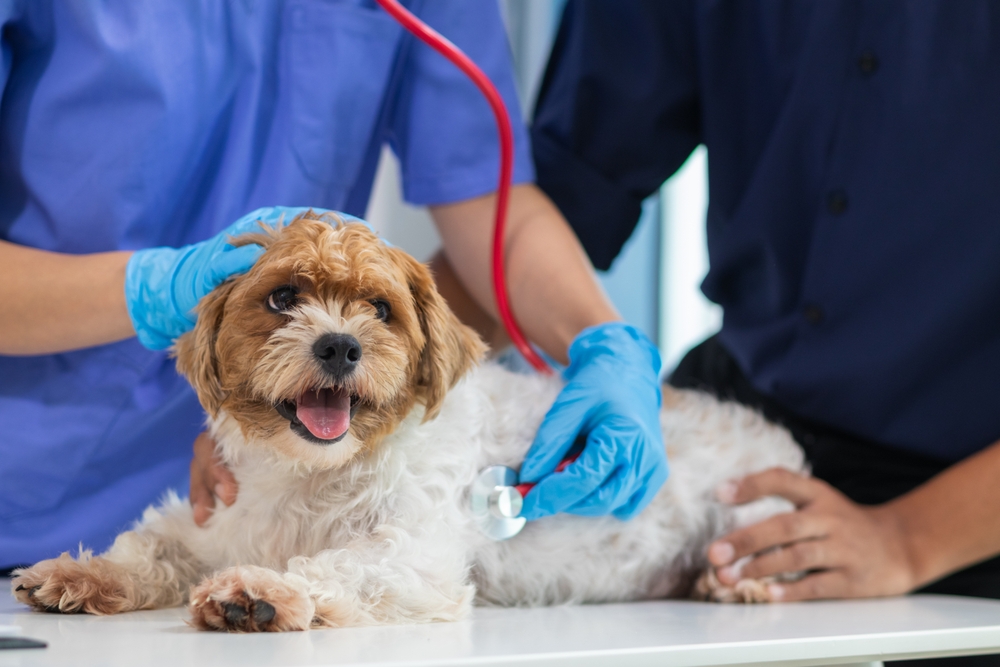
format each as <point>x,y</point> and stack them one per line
<point>655,281</point>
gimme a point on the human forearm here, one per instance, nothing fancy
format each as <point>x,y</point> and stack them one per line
<point>464,306</point>
<point>553,290</point>
<point>55,302</point>
<point>952,521</point>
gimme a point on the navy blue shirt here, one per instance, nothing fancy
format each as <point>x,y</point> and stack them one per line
<point>854,179</point>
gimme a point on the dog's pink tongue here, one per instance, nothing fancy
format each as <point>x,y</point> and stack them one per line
<point>326,413</point>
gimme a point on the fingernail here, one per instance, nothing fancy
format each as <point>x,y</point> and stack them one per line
<point>220,493</point>
<point>721,553</point>
<point>731,574</point>
<point>775,592</point>
<point>726,492</point>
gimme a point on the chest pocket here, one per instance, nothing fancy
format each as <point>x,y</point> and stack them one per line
<point>339,62</point>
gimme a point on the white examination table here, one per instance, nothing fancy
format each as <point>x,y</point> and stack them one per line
<point>622,635</point>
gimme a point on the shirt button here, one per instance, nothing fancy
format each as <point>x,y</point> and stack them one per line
<point>836,202</point>
<point>867,63</point>
<point>813,314</point>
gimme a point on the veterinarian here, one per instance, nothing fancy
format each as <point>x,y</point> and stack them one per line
<point>132,136</point>
<point>854,160</point>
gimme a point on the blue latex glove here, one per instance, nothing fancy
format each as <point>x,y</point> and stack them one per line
<point>612,398</point>
<point>163,285</point>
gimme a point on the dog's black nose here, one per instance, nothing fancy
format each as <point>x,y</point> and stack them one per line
<point>339,353</point>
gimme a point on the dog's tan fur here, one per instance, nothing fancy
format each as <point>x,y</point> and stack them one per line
<point>242,358</point>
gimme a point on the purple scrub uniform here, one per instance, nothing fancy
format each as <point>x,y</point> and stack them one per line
<point>136,125</point>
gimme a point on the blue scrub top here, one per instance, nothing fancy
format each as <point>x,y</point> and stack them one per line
<point>854,180</point>
<point>135,125</point>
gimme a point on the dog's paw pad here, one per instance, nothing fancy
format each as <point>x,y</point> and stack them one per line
<point>251,616</point>
<point>249,599</point>
<point>263,612</point>
<point>236,615</point>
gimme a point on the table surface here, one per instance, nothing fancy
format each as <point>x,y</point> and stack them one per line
<point>645,633</point>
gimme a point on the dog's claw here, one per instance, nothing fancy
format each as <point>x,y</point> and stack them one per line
<point>31,590</point>
<point>236,615</point>
<point>263,612</point>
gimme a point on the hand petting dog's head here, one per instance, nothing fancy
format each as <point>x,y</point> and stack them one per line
<point>326,344</point>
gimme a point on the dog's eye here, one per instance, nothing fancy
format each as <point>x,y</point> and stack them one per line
<point>382,309</point>
<point>282,299</point>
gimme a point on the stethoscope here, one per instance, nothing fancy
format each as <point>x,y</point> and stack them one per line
<point>496,500</point>
<point>496,497</point>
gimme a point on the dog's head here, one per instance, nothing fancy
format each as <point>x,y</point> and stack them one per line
<point>326,344</point>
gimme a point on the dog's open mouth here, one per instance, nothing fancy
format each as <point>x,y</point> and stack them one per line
<point>320,415</point>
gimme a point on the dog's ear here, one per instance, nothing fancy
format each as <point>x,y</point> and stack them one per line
<point>450,347</point>
<point>195,351</point>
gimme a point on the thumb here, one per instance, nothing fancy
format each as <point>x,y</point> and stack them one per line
<point>555,436</point>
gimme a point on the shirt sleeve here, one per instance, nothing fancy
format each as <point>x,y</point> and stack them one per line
<point>9,12</point>
<point>442,128</point>
<point>616,115</point>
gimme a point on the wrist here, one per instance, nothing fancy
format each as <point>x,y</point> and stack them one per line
<point>619,340</point>
<point>147,281</point>
<point>913,554</point>
<point>568,331</point>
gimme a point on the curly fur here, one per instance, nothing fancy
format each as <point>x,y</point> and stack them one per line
<point>375,528</point>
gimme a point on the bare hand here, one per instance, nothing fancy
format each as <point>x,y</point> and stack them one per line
<point>210,479</point>
<point>848,550</point>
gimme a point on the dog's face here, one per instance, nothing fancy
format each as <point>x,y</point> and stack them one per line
<point>326,344</point>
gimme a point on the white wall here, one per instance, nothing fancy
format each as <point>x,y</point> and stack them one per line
<point>531,26</point>
<point>686,317</point>
<point>407,226</point>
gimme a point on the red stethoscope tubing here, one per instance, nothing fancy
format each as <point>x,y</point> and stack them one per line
<point>528,486</point>
<point>443,46</point>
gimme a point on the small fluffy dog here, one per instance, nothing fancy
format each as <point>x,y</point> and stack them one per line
<point>350,404</point>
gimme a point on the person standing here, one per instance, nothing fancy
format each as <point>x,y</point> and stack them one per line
<point>853,165</point>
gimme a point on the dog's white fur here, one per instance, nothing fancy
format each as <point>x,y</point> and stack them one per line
<point>388,538</point>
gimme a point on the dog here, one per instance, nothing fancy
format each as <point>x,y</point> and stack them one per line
<point>354,410</point>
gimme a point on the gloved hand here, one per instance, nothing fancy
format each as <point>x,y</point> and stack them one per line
<point>612,398</point>
<point>163,285</point>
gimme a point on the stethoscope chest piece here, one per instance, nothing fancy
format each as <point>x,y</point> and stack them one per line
<point>496,504</point>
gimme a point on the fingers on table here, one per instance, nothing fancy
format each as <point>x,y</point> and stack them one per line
<point>799,557</point>
<point>824,585</point>
<point>780,530</point>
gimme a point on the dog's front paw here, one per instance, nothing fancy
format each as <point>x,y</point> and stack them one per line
<point>68,586</point>
<point>709,588</point>
<point>250,599</point>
